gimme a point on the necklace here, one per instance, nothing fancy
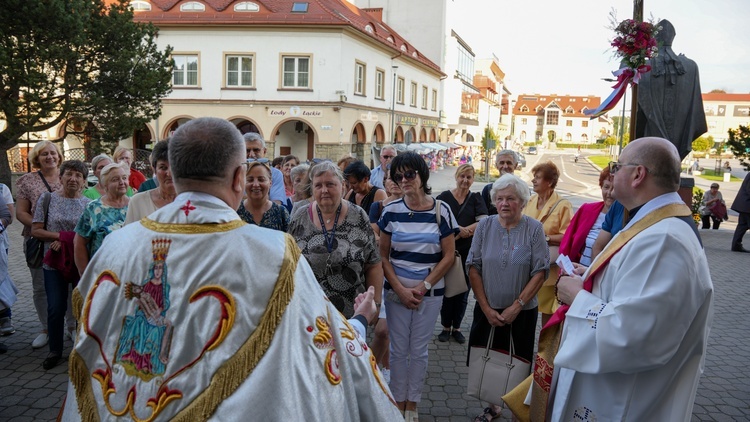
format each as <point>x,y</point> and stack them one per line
<point>329,240</point>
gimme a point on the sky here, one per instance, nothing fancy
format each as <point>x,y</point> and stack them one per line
<point>562,47</point>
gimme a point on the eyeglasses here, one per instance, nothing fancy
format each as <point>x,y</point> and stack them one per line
<point>258,160</point>
<point>614,166</point>
<point>320,160</point>
<point>387,157</point>
<point>408,175</point>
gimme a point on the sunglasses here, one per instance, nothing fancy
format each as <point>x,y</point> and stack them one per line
<point>408,175</point>
<point>387,157</point>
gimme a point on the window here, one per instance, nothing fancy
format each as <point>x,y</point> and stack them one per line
<point>239,71</point>
<point>380,84</point>
<point>424,97</point>
<point>524,109</point>
<point>568,122</point>
<point>299,7</point>
<point>553,117</point>
<point>296,72</point>
<point>246,6</point>
<point>434,100</point>
<point>360,73</point>
<point>140,5</point>
<point>585,123</point>
<point>185,71</point>
<point>400,85</point>
<point>524,121</point>
<point>192,6</point>
<point>465,65</point>
<point>413,101</point>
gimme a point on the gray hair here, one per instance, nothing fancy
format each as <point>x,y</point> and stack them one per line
<point>254,137</point>
<point>98,159</point>
<point>390,147</point>
<point>104,175</point>
<point>327,167</point>
<point>511,181</point>
<point>205,148</point>
<point>506,152</point>
<point>300,169</point>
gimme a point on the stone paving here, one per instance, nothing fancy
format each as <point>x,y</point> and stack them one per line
<point>28,393</point>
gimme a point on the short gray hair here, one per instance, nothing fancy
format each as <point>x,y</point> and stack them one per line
<point>300,169</point>
<point>254,137</point>
<point>511,181</point>
<point>327,167</point>
<point>390,147</point>
<point>205,148</point>
<point>98,159</point>
<point>104,175</point>
<point>506,152</point>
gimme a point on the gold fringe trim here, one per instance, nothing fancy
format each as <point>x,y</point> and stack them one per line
<point>77,301</point>
<point>79,377</point>
<point>236,370</point>
<point>191,228</point>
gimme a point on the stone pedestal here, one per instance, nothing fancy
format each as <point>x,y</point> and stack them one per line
<point>686,190</point>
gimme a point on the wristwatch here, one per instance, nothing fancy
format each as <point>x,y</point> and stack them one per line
<point>546,238</point>
<point>427,285</point>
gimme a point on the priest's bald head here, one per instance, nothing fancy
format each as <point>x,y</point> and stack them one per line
<point>208,155</point>
<point>648,167</point>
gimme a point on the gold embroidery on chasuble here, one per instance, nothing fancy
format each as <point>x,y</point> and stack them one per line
<point>227,377</point>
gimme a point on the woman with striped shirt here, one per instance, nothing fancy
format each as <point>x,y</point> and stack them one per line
<point>417,250</point>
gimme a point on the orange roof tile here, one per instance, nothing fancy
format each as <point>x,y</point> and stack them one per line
<point>570,105</point>
<point>718,96</point>
<point>279,13</point>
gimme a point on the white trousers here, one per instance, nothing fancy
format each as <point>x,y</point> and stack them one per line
<point>410,332</point>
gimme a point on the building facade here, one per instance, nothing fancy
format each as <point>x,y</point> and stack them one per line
<point>724,112</point>
<point>558,119</point>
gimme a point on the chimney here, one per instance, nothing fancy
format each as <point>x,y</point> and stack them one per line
<point>377,12</point>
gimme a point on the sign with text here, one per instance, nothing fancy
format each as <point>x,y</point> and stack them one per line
<point>293,111</point>
<point>369,117</point>
<point>407,120</point>
<point>429,122</point>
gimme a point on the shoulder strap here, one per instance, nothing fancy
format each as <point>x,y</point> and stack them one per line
<point>39,172</point>
<point>466,201</point>
<point>550,210</point>
<point>437,211</point>
<point>45,206</point>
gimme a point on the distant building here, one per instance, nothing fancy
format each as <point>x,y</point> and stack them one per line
<point>724,112</point>
<point>494,112</point>
<point>558,118</point>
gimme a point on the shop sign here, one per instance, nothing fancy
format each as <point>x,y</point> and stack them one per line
<point>407,120</point>
<point>294,111</point>
<point>429,122</point>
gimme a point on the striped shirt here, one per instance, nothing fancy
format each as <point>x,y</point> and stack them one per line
<point>415,240</point>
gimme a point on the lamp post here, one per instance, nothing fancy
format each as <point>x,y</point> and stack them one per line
<point>393,103</point>
<point>622,119</point>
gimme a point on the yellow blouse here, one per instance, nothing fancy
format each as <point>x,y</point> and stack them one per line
<point>557,220</point>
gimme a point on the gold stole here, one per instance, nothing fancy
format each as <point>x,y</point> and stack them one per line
<point>549,339</point>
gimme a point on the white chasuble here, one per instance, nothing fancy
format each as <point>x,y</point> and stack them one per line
<point>191,314</point>
<point>633,349</point>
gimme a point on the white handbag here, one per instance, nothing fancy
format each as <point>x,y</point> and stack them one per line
<point>455,281</point>
<point>492,373</point>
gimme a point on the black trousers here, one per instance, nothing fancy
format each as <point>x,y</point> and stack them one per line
<point>524,333</point>
<point>707,221</point>
<point>742,227</point>
<point>454,308</point>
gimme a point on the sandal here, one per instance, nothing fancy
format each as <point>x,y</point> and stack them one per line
<point>488,411</point>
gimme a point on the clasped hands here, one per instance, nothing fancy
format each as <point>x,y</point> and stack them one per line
<point>569,285</point>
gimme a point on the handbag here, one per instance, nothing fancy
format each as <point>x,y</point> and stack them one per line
<point>455,280</point>
<point>35,247</point>
<point>492,373</point>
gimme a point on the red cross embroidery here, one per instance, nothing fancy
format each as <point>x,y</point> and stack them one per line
<point>187,208</point>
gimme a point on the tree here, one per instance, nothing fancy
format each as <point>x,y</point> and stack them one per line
<point>703,144</point>
<point>82,62</point>
<point>739,143</point>
<point>489,135</point>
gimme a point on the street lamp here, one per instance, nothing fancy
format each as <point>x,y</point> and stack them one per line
<point>393,103</point>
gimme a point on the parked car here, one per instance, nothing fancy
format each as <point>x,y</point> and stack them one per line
<point>531,151</point>
<point>521,160</point>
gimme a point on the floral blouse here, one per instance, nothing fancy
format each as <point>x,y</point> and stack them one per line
<point>276,218</point>
<point>62,216</point>
<point>99,220</point>
<point>30,187</point>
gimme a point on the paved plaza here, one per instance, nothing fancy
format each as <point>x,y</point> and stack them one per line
<point>28,393</point>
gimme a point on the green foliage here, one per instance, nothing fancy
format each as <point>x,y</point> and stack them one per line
<point>697,198</point>
<point>489,134</point>
<point>583,146</point>
<point>610,140</point>
<point>739,143</point>
<point>703,143</point>
<point>82,60</point>
<point>599,160</point>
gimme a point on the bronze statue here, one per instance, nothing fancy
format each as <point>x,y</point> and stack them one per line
<point>669,96</point>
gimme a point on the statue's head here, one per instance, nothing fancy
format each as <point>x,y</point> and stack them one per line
<point>666,34</point>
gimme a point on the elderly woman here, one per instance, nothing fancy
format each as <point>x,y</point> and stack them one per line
<point>299,182</point>
<point>46,158</point>
<point>290,162</point>
<point>417,245</point>
<point>508,262</point>
<point>144,203</point>
<point>554,212</point>
<point>124,155</point>
<point>336,239</point>
<point>362,192</point>
<point>468,208</point>
<point>713,207</point>
<point>303,190</point>
<point>102,216</point>
<point>97,191</point>
<point>54,225</point>
<point>257,208</point>
<point>584,228</point>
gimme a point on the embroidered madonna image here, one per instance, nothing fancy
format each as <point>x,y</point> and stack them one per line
<point>146,337</point>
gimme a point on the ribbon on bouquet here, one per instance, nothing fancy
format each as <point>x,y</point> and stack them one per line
<point>625,76</point>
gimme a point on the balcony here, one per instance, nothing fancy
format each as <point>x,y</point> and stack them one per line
<point>485,82</point>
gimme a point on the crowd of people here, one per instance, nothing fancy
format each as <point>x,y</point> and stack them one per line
<point>377,246</point>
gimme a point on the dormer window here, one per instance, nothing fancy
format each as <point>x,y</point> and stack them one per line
<point>299,7</point>
<point>403,47</point>
<point>246,6</point>
<point>368,28</point>
<point>390,40</point>
<point>524,109</point>
<point>192,6</point>
<point>140,5</point>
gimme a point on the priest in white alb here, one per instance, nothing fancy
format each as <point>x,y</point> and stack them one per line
<point>633,347</point>
<point>191,314</point>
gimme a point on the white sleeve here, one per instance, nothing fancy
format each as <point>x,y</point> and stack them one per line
<point>7,196</point>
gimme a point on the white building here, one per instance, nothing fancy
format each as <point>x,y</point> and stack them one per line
<point>494,112</point>
<point>724,112</point>
<point>558,118</point>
